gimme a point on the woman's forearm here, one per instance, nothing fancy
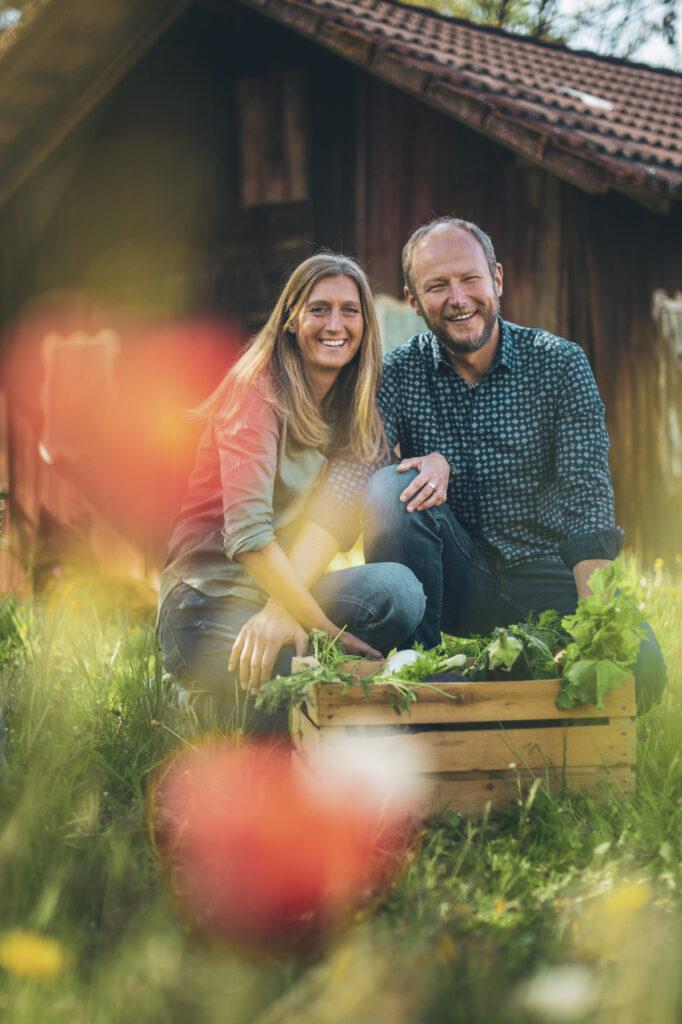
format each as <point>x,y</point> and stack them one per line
<point>273,571</point>
<point>312,552</point>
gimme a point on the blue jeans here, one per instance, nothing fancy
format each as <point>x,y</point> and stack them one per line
<point>381,604</point>
<point>465,592</point>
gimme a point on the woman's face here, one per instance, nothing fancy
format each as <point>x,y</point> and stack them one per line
<point>329,327</point>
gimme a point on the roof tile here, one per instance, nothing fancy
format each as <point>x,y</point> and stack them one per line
<point>602,109</point>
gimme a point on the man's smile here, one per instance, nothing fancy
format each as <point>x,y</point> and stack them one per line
<point>459,317</point>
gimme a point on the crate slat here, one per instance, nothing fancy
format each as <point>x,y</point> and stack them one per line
<point>459,702</point>
<point>469,795</point>
<point>496,749</point>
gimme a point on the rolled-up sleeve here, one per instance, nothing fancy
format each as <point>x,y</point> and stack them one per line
<point>247,445</point>
<point>583,476</point>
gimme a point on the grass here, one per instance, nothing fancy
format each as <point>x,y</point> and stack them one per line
<point>565,909</point>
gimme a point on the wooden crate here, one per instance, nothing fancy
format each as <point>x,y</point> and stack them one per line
<point>481,742</point>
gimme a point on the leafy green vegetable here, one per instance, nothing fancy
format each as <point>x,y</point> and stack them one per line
<point>607,631</point>
<point>541,638</point>
<point>504,650</point>
<point>470,646</point>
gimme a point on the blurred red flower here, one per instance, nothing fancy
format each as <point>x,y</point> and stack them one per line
<point>260,850</point>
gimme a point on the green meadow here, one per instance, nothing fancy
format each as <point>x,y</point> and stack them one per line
<point>565,909</point>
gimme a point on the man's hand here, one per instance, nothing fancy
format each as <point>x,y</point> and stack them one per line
<point>583,571</point>
<point>430,487</point>
<point>259,642</point>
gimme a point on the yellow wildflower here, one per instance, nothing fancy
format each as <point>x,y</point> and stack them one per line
<point>31,955</point>
<point>658,564</point>
<point>673,592</point>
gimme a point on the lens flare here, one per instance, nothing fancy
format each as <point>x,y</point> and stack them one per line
<point>106,398</point>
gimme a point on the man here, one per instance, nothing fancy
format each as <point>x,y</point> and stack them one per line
<point>502,502</point>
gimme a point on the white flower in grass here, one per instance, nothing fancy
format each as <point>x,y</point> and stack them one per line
<point>568,992</point>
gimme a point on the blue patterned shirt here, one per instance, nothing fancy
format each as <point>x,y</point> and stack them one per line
<point>527,447</point>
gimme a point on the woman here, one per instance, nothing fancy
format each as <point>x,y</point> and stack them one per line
<point>241,579</point>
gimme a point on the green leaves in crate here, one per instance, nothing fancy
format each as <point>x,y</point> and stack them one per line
<point>504,650</point>
<point>607,631</point>
<point>593,652</point>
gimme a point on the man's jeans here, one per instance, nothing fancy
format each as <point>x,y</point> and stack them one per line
<point>380,604</point>
<point>464,593</point>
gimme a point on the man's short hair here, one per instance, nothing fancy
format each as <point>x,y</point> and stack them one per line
<point>454,222</point>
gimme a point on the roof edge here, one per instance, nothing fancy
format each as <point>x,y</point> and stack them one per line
<point>594,173</point>
<point>519,37</point>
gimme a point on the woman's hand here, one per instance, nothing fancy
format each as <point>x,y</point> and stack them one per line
<point>259,642</point>
<point>353,645</point>
<point>430,487</point>
<point>261,639</point>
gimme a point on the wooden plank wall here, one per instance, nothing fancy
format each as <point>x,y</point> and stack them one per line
<point>582,266</point>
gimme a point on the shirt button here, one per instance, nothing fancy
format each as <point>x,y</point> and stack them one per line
<point>478,441</point>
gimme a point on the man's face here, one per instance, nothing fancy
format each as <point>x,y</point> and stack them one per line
<point>453,290</point>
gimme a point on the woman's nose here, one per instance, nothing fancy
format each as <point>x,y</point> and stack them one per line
<point>335,320</point>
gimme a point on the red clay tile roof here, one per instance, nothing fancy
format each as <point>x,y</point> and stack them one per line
<point>599,121</point>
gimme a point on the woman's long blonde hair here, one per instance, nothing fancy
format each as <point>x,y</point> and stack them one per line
<point>273,359</point>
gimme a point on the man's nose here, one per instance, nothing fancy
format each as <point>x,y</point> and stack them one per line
<point>456,294</point>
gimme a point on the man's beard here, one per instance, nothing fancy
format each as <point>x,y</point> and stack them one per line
<point>470,344</point>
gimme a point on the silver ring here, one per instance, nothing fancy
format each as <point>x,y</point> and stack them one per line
<point>431,484</point>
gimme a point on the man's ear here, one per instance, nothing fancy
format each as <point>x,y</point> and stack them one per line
<point>412,301</point>
<point>498,280</point>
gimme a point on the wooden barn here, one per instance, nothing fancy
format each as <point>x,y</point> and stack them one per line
<point>165,163</point>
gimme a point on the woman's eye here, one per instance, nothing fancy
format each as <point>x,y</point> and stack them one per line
<point>351,311</point>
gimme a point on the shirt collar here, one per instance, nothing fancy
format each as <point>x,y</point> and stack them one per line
<point>506,352</point>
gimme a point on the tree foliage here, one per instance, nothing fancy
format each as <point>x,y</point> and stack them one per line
<point>616,27</point>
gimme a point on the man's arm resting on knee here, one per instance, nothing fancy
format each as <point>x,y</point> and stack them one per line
<point>583,571</point>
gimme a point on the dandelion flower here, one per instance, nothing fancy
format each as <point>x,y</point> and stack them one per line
<point>658,564</point>
<point>31,955</point>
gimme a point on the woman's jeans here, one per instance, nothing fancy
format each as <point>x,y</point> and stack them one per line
<point>465,594</point>
<point>381,604</point>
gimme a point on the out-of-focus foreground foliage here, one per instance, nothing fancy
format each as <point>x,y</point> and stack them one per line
<point>569,901</point>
